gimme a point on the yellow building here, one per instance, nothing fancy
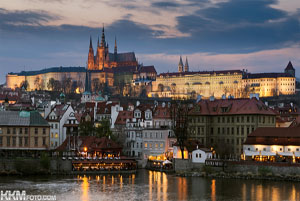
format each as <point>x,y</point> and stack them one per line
<point>21,130</point>
<point>237,83</point>
<point>224,124</point>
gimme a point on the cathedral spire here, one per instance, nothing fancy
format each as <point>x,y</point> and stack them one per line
<point>91,44</point>
<point>180,65</point>
<point>103,38</point>
<point>116,49</point>
<point>186,65</point>
<point>98,42</point>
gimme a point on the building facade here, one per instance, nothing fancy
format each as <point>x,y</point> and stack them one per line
<point>224,124</point>
<point>23,131</point>
<point>237,83</point>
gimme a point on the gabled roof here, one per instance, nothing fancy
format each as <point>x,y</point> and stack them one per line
<point>231,107</point>
<point>274,136</point>
<point>122,116</point>
<point>148,69</point>
<point>289,66</point>
<point>59,111</point>
<point>22,118</point>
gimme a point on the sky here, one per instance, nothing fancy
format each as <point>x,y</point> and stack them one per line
<point>258,35</point>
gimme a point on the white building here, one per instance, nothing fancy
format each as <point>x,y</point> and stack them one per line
<point>57,117</point>
<point>200,155</point>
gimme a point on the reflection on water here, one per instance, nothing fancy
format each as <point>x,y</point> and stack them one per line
<point>150,185</point>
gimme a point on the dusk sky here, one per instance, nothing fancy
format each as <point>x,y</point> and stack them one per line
<point>258,35</point>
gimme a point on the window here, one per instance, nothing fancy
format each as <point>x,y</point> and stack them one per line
<point>141,145</point>
<point>26,130</point>
<point>20,130</point>
<point>56,135</point>
<point>256,149</point>
<point>280,149</point>
<point>14,141</point>
<point>0,130</point>
<point>14,131</point>
<point>289,149</point>
<point>196,155</point>
<point>36,141</point>
<point>25,141</point>
<point>264,149</point>
<point>199,155</point>
<point>8,141</point>
<point>8,131</point>
<point>242,131</point>
<point>297,149</point>
<point>161,145</point>
<point>44,131</point>
<point>56,126</point>
<point>156,145</point>
<point>20,141</point>
<point>1,140</point>
<point>44,141</point>
<point>248,149</point>
<point>146,145</point>
<point>36,130</point>
<point>150,145</point>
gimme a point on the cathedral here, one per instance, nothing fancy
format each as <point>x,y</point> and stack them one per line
<point>105,59</point>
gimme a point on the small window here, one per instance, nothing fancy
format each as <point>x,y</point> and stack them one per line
<point>248,149</point>
<point>289,149</point>
<point>44,131</point>
<point>264,149</point>
<point>26,130</point>
<point>196,155</point>
<point>199,155</point>
<point>8,130</point>
<point>20,130</point>
<point>56,135</point>
<point>297,149</point>
<point>280,149</point>
<point>36,130</point>
<point>256,149</point>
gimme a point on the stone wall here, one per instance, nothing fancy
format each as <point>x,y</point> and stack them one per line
<point>186,165</point>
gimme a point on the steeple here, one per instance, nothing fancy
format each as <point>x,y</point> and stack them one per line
<point>186,65</point>
<point>103,44</point>
<point>98,42</point>
<point>87,83</point>
<point>116,49</point>
<point>290,69</point>
<point>91,44</point>
<point>180,65</point>
<point>90,62</point>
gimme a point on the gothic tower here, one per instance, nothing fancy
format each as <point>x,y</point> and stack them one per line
<point>186,65</point>
<point>102,55</point>
<point>91,63</point>
<point>180,66</point>
<point>115,50</point>
<point>290,69</point>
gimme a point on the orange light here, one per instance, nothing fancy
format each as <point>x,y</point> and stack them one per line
<point>85,149</point>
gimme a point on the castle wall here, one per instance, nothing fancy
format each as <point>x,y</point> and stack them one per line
<point>13,81</point>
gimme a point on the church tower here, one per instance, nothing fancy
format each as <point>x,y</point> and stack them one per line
<point>91,63</point>
<point>186,65</point>
<point>290,69</point>
<point>180,66</point>
<point>116,50</point>
<point>87,95</point>
<point>102,55</point>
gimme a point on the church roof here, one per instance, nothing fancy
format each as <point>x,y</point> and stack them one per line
<point>147,69</point>
<point>289,66</point>
<point>123,57</point>
<point>50,70</point>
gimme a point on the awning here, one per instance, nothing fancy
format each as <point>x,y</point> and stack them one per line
<point>251,153</point>
<point>267,153</point>
<point>285,153</point>
<point>167,162</point>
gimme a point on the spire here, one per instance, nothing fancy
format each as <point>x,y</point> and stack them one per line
<point>290,69</point>
<point>116,49</point>
<point>103,38</point>
<point>98,42</point>
<point>186,65</point>
<point>180,65</point>
<point>87,85</point>
<point>91,44</point>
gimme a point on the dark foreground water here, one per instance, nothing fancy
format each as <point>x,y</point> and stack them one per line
<point>149,185</point>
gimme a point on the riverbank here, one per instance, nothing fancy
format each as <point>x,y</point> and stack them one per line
<point>241,175</point>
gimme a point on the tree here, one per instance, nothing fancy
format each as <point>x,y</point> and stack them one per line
<point>67,84</point>
<point>37,83</point>
<point>50,84</point>
<point>86,128</point>
<point>74,86</point>
<point>160,87</point>
<point>103,130</point>
<point>57,85</point>
<point>179,111</point>
<point>24,84</point>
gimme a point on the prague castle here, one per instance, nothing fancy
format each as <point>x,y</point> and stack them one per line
<point>103,66</point>
<point>231,83</point>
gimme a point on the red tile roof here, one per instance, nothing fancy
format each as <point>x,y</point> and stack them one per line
<point>122,116</point>
<point>231,107</point>
<point>274,136</point>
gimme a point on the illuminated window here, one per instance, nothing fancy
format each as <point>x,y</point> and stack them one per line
<point>0,130</point>
<point>146,145</point>
<point>56,135</point>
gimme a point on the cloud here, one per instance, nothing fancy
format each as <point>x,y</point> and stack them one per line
<point>26,17</point>
<point>165,4</point>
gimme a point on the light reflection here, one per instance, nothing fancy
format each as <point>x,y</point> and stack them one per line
<point>158,180</point>
<point>165,187</point>
<point>121,182</point>
<point>104,177</point>
<point>182,188</point>
<point>150,185</point>
<point>213,190</point>
<point>85,189</point>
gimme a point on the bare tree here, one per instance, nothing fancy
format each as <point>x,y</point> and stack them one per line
<point>37,83</point>
<point>179,111</point>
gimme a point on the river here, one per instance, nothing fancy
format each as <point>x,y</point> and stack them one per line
<point>150,185</point>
